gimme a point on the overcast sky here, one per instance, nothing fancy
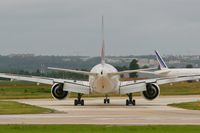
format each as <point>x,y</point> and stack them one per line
<point>73,27</point>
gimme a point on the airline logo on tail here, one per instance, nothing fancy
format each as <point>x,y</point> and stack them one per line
<point>161,61</point>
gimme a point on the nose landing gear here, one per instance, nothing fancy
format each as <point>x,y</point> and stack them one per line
<point>106,100</point>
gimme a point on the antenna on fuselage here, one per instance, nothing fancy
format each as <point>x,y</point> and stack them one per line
<point>103,44</point>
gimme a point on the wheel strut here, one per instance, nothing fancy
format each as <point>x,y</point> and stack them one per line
<point>130,100</point>
<point>79,101</point>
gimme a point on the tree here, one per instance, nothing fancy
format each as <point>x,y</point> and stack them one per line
<point>133,66</point>
<point>37,73</point>
<point>121,68</point>
<point>145,67</point>
<point>189,66</point>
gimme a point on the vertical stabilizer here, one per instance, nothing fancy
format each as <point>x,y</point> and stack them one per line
<point>103,44</point>
<point>160,61</point>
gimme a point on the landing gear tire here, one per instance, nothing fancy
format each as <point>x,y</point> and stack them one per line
<point>127,102</point>
<point>130,101</point>
<point>82,102</point>
<point>108,101</point>
<point>104,101</point>
<point>79,101</point>
<point>76,102</point>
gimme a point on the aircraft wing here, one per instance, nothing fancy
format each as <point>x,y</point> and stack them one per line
<point>140,85</point>
<point>69,85</point>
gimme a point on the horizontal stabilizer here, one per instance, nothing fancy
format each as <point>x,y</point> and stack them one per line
<point>73,71</point>
<point>160,72</point>
<point>131,71</point>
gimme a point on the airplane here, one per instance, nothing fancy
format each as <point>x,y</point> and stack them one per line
<point>175,72</point>
<point>104,79</point>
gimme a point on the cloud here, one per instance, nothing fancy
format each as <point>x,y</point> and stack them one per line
<point>65,27</point>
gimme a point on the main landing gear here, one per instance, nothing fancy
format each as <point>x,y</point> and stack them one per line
<point>130,100</point>
<point>79,101</point>
<point>106,100</point>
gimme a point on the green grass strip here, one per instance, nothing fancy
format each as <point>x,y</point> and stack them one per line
<point>187,105</point>
<point>96,129</point>
<point>11,107</point>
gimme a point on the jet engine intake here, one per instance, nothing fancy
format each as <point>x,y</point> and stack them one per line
<point>152,91</point>
<point>58,92</point>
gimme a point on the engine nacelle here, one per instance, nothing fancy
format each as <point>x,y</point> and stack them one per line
<point>58,92</point>
<point>152,91</point>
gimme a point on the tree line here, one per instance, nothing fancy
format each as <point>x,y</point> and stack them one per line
<point>67,75</point>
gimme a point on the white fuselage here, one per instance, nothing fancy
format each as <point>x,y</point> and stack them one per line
<point>178,72</point>
<point>103,83</point>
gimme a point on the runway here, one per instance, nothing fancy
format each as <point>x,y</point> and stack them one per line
<point>95,112</point>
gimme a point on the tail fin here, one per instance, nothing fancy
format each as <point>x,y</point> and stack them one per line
<point>103,44</point>
<point>160,61</point>
<point>103,54</point>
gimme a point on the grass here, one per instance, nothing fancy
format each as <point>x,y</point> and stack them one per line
<point>181,88</point>
<point>10,107</point>
<point>96,129</point>
<point>24,90</point>
<point>187,105</point>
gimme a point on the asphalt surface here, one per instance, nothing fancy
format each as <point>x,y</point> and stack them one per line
<point>95,112</point>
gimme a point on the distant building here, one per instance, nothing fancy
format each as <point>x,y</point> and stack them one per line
<point>171,62</point>
<point>21,55</point>
<point>147,62</point>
